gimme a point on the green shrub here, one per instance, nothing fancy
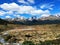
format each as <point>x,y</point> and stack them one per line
<point>28,43</point>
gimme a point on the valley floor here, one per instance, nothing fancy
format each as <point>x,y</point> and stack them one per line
<point>34,33</point>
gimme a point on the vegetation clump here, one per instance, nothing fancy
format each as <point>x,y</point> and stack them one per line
<point>28,43</point>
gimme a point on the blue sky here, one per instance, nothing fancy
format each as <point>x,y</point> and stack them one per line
<point>28,8</point>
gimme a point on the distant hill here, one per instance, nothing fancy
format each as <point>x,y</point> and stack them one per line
<point>3,22</point>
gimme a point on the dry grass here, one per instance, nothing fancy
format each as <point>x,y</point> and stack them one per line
<point>39,27</point>
<point>37,32</point>
<point>36,35</point>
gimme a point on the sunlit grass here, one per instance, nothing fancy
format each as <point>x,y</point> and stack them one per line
<point>39,33</point>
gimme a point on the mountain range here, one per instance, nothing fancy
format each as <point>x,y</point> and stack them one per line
<point>33,20</point>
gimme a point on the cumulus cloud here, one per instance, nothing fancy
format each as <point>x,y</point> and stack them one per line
<point>39,12</point>
<point>16,9</point>
<point>11,6</point>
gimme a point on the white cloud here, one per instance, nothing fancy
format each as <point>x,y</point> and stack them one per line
<point>18,9</point>
<point>2,13</point>
<point>17,16</point>
<point>51,8</point>
<point>42,6</point>
<point>22,1</point>
<point>40,12</point>
<point>11,6</point>
<point>28,2</point>
<point>31,1</point>
<point>8,16</point>
<point>47,6</point>
<point>9,12</point>
<point>45,15</point>
<point>26,9</point>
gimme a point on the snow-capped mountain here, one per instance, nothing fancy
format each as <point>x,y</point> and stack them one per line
<point>51,17</point>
